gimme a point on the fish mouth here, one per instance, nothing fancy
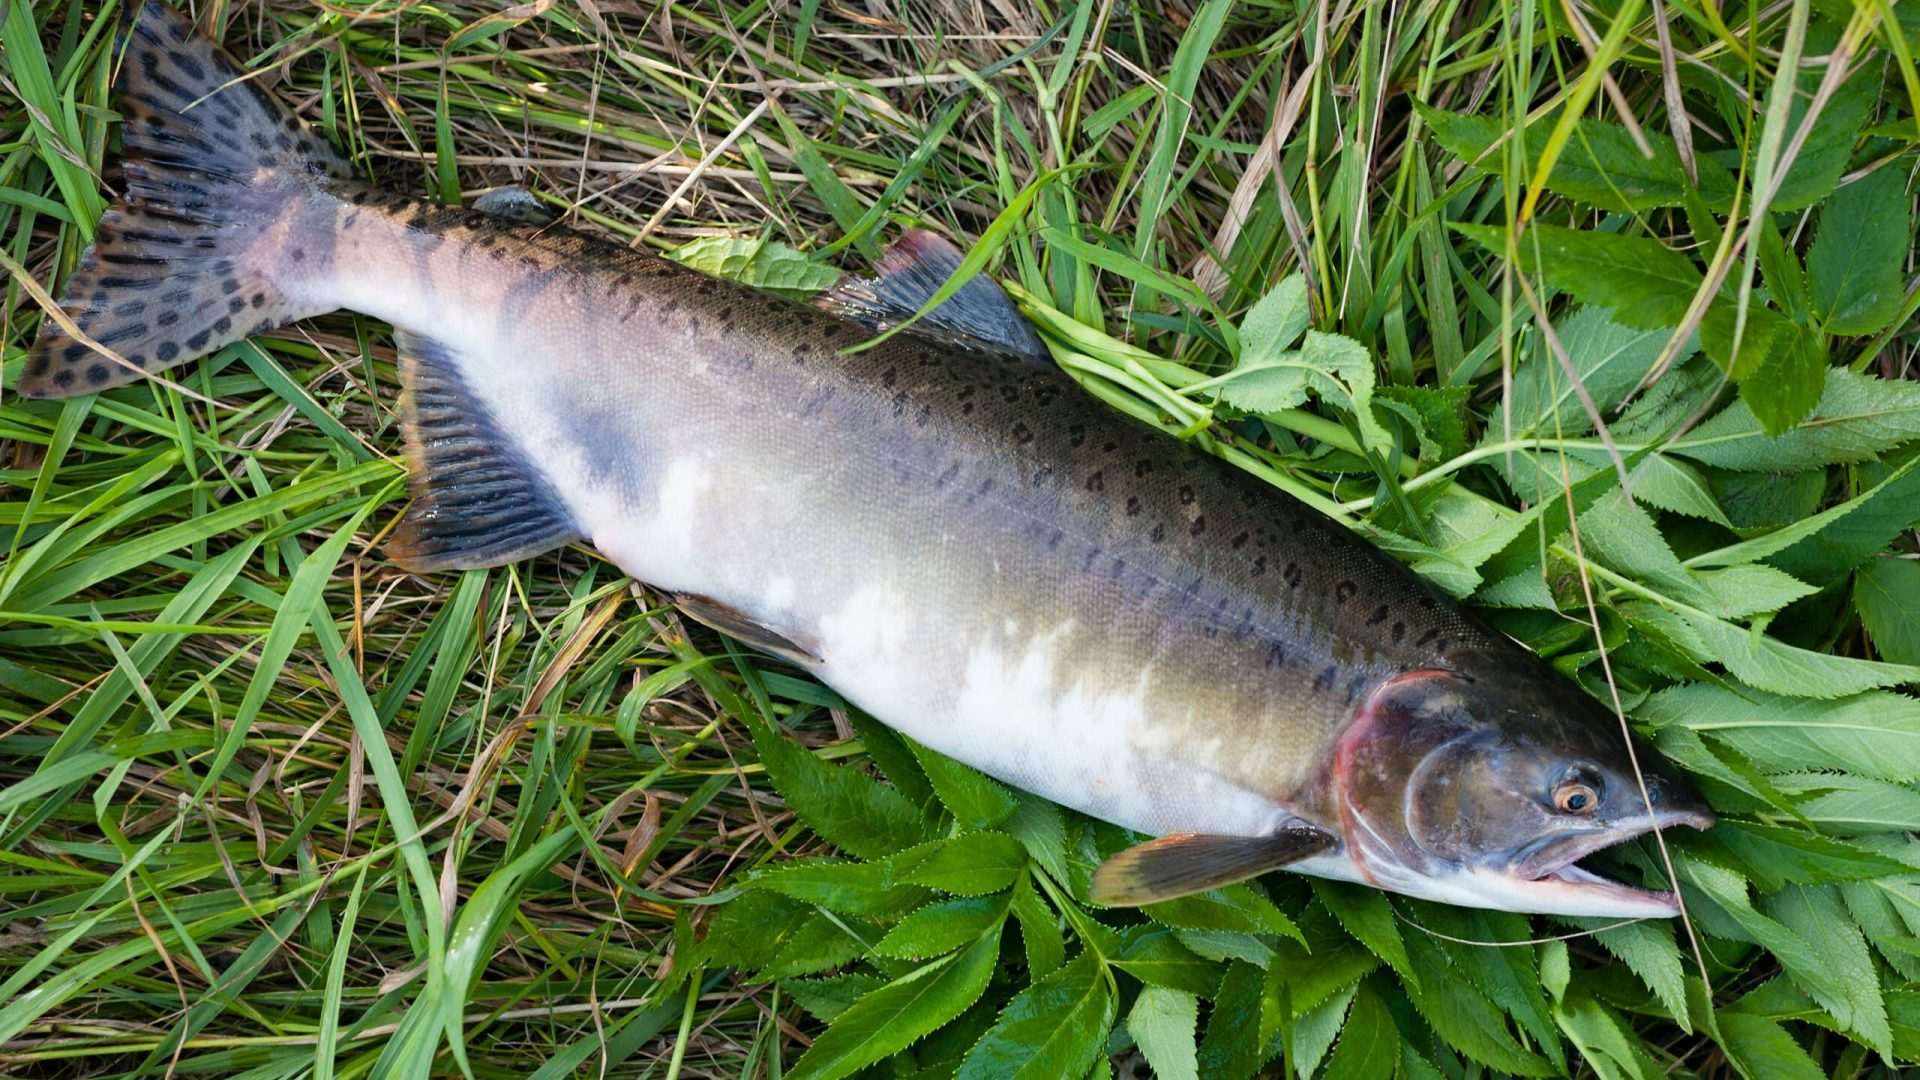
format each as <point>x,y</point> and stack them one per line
<point>1550,874</point>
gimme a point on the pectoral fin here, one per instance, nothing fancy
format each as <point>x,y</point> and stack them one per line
<point>1195,862</point>
<point>735,623</point>
<point>980,316</point>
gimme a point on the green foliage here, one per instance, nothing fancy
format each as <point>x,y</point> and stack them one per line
<point>277,809</point>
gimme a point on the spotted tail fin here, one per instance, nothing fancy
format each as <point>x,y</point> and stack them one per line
<point>199,252</point>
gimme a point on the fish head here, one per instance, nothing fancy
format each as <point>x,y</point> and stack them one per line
<point>1487,789</point>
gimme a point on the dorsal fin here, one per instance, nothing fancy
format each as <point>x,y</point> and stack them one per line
<point>980,316</point>
<point>515,205</point>
<point>477,501</point>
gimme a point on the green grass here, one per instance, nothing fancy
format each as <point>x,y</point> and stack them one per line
<point>274,808</point>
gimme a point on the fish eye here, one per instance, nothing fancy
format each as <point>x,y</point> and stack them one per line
<point>1576,798</point>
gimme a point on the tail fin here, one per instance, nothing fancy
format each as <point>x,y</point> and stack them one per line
<point>216,169</point>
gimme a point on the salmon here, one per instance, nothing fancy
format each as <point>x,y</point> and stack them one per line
<point>943,527</point>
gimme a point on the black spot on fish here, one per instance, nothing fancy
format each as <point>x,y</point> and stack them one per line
<point>1118,569</point>
<point>296,254</point>
<point>1076,434</point>
<point>1159,533</point>
<point>1142,467</point>
<point>1186,494</point>
<point>1133,505</point>
<point>72,353</point>
<point>1276,657</point>
<point>258,299</point>
<point>130,309</point>
<point>1379,616</point>
<point>1426,638</point>
<point>63,378</point>
<point>1292,575</point>
<point>1399,631</point>
<point>889,376</point>
<point>1344,591</point>
<point>1199,525</point>
<point>37,366</point>
<point>167,318</point>
<point>236,305</point>
<point>97,374</point>
<point>166,351</point>
<point>1097,481</point>
<point>198,341</point>
<point>1022,434</point>
<point>222,324</point>
<point>1259,566</point>
<point>1240,539</point>
<point>1324,681</point>
<point>1355,685</point>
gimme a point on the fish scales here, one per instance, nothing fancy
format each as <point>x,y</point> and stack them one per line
<point>951,534</point>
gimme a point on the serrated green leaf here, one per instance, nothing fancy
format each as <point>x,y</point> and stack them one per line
<point>1337,369</point>
<point>1368,916</point>
<point>1053,1028</point>
<point>1737,592</point>
<point>1162,1024</point>
<point>1847,805</point>
<point>1642,282</point>
<point>827,997</point>
<point>1439,415</point>
<point>975,799</point>
<point>1040,936</point>
<point>1817,915</point>
<point>942,926</point>
<point>1816,169</point>
<point>1601,165</point>
<point>1887,594</point>
<point>1464,1017</point>
<point>1789,381</point>
<point>1606,1044</point>
<point>1858,416</point>
<point>971,864</point>
<point>846,806</point>
<point>1765,662</point>
<point>1763,1050</point>
<point>1237,907</point>
<point>1158,958</point>
<point>1369,1043</point>
<point>1874,734</point>
<point>1232,1048</point>
<point>838,885</point>
<point>1854,267</point>
<point>894,1017</point>
<point>1609,359</point>
<point>1774,856</point>
<point>766,264</point>
<point>1649,949</point>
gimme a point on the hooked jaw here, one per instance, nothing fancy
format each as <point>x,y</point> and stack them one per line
<point>1548,878</point>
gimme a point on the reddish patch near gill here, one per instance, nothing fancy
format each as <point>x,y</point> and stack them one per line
<point>1347,749</point>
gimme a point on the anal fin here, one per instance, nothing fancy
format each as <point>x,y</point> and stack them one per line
<point>980,316</point>
<point>1195,862</point>
<point>477,500</point>
<point>735,623</point>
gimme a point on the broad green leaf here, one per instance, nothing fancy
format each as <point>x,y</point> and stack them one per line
<point>1337,369</point>
<point>942,926</point>
<point>1162,1024</point>
<point>1601,165</point>
<point>1736,592</point>
<point>1273,324</point>
<point>1887,594</point>
<point>1606,1043</point>
<point>1774,856</point>
<point>1789,382</point>
<point>1875,734</point>
<point>1858,416</point>
<point>1312,1032</point>
<point>1642,282</point>
<point>1438,415</point>
<point>1609,360</point>
<point>1816,169</point>
<point>1829,542</point>
<point>766,264</point>
<point>1463,1016</point>
<point>1053,1028</point>
<point>894,1017</point>
<point>1855,266</point>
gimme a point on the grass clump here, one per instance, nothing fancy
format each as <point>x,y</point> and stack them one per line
<point>1599,315</point>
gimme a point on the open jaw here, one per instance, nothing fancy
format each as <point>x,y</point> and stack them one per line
<point>1548,878</point>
